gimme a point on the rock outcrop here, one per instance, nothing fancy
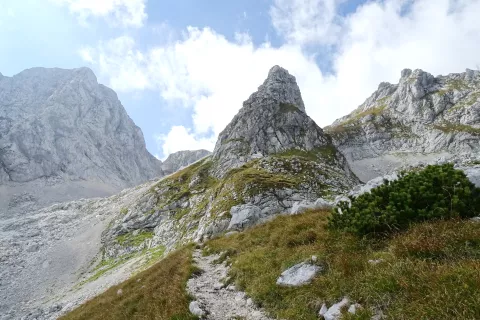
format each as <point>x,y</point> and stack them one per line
<point>63,136</point>
<point>272,121</point>
<point>419,119</point>
<point>181,159</point>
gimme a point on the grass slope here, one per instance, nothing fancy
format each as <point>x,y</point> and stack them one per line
<point>156,293</point>
<point>432,271</point>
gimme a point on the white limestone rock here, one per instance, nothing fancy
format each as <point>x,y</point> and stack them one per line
<point>195,309</point>
<point>244,216</point>
<point>298,275</point>
<point>335,311</point>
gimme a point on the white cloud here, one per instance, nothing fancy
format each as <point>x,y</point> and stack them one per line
<point>126,13</point>
<point>306,21</point>
<point>206,72</point>
<point>180,138</point>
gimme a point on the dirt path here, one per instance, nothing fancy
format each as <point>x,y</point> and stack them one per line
<point>218,302</point>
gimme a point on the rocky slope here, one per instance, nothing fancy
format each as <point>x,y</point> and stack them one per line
<point>180,159</point>
<point>419,119</point>
<point>285,163</point>
<point>271,156</point>
<point>63,136</point>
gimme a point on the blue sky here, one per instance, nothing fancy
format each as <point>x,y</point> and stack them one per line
<point>183,67</point>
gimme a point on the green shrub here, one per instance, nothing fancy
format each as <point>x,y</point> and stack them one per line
<point>436,192</point>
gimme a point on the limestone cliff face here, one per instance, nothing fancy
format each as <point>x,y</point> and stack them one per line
<point>420,117</point>
<point>272,120</point>
<point>60,127</point>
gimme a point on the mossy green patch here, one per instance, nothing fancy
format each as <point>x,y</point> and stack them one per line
<point>447,127</point>
<point>129,239</point>
<point>288,107</point>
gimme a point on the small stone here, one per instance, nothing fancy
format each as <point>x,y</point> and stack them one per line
<point>376,261</point>
<point>335,311</point>
<point>314,258</point>
<point>119,292</point>
<point>353,308</point>
<point>249,302</point>
<point>195,309</point>
<point>475,219</point>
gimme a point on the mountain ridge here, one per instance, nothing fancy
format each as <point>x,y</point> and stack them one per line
<point>420,118</point>
<point>60,127</point>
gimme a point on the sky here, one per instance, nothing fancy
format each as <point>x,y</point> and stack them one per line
<point>182,68</point>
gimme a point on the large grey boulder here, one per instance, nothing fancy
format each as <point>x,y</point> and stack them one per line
<point>244,216</point>
<point>298,275</point>
<point>419,119</point>
<point>64,136</point>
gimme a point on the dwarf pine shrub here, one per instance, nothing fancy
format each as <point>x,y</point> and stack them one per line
<point>436,192</point>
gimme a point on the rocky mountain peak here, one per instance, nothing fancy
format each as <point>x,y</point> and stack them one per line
<point>271,121</point>
<point>282,87</point>
<point>61,130</point>
<point>420,116</point>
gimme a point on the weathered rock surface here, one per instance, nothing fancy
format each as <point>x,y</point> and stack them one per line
<point>419,119</point>
<point>244,216</point>
<point>272,120</point>
<point>298,275</point>
<point>180,159</point>
<point>63,136</point>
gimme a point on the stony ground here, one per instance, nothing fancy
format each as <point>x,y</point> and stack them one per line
<point>45,254</point>
<point>218,301</point>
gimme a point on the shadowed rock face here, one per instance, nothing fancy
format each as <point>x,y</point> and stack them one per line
<point>60,126</point>
<point>420,117</point>
<point>272,120</point>
<point>181,159</point>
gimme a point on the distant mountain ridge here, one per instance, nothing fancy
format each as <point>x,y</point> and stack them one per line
<point>420,118</point>
<point>180,159</point>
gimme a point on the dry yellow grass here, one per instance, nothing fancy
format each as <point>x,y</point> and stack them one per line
<point>156,293</point>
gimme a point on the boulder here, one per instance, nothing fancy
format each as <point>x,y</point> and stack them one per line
<point>298,275</point>
<point>195,309</point>
<point>244,216</point>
